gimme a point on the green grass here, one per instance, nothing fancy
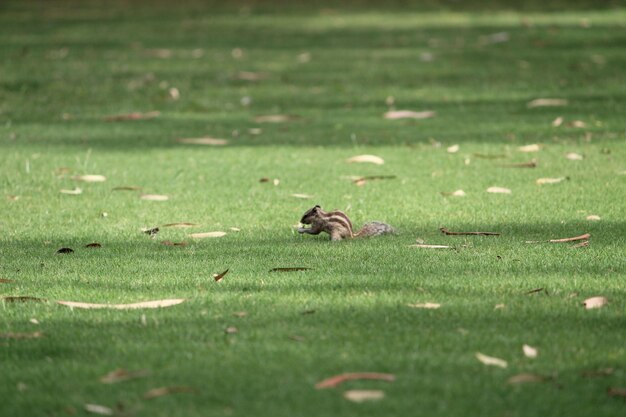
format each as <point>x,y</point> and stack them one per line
<point>67,65</point>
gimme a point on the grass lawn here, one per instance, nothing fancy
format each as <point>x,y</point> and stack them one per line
<point>257,342</point>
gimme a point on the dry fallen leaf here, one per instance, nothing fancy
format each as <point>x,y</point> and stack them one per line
<point>231,330</point>
<point>563,240</point>
<point>89,178</point>
<point>119,375</point>
<point>359,396</point>
<point>207,234</point>
<point>276,118</point>
<point>219,276</point>
<point>290,269</point>
<point>529,351</point>
<point>546,102</point>
<point>132,116</point>
<point>557,122</point>
<point>498,190</point>
<point>154,197</point>
<point>490,360</point>
<point>593,217</point>
<point>573,156</point>
<point>160,392</point>
<point>530,148</point>
<point>5,280</point>
<point>616,392</point>
<point>453,149</point>
<point>302,196</point>
<point>127,188</point>
<point>339,379</point>
<point>251,76</point>
<point>595,302</point>
<point>409,114</point>
<point>372,159</point>
<point>525,379</point>
<point>579,124</point>
<point>457,193</point>
<point>75,191</point>
<point>203,141</point>
<point>65,250</point>
<point>143,304</point>
<point>93,245</point>
<point>99,409</point>
<point>425,305</point>
<point>170,243</point>
<point>424,246</point>
<point>499,306</point>
<point>180,225</point>
<point>33,335</point>
<point>542,181</point>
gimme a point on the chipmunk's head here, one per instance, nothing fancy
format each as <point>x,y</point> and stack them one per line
<point>309,215</point>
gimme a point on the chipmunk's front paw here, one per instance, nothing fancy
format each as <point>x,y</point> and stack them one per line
<point>302,230</point>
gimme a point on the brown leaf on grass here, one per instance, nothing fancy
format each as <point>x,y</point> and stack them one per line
<point>579,124</point>
<point>498,190</point>
<point>339,379</point>
<point>132,306</point>
<point>5,280</point>
<point>121,374</point>
<point>180,225</point>
<point>547,102</point>
<point>363,180</point>
<point>457,193</point>
<point>453,149</point>
<point>530,148</point>
<point>447,232</point>
<point>529,164</point>
<point>132,116</point>
<point>557,122</point>
<point>127,188</point>
<point>276,118</point>
<point>425,246</point>
<point>616,392</point>
<point>99,409</point>
<point>595,302</point>
<point>203,141</point>
<point>251,76</point>
<point>593,217</point>
<point>430,306</point>
<point>22,299</point>
<point>573,156</point>
<point>74,191</point>
<point>65,250</point>
<point>542,181</point>
<point>93,245</point>
<point>170,243</point>
<point>359,396</point>
<point>290,269</point>
<point>219,276</point>
<point>231,330</point>
<point>525,378</point>
<point>409,114</point>
<point>204,235</point>
<point>372,159</point>
<point>563,240</point>
<point>154,197</point>
<point>529,351</point>
<point>33,335</point>
<point>160,392</point>
<point>491,361</point>
<point>535,291</point>
<point>302,196</point>
<point>89,178</point>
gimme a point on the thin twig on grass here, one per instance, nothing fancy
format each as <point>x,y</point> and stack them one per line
<point>445,231</point>
<point>564,240</point>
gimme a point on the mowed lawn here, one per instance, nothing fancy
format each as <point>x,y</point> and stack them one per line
<point>109,88</point>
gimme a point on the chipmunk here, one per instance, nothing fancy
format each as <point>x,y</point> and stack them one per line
<point>338,225</point>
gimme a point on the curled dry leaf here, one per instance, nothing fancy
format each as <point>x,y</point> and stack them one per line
<point>529,351</point>
<point>491,361</point>
<point>65,250</point>
<point>290,269</point>
<point>359,396</point>
<point>93,245</point>
<point>276,118</point>
<point>127,188</point>
<point>99,409</point>
<point>180,225</point>
<point>409,114</point>
<point>74,191</point>
<point>302,196</point>
<point>547,102</point>
<point>425,305</point>
<point>525,379</point>
<point>32,335</point>
<point>160,392</point>
<point>453,149</point>
<point>573,156</point>
<point>132,306</point>
<point>89,178</point>
<point>203,141</point>
<point>498,190</point>
<point>447,232</point>
<point>154,197</point>
<point>530,148</point>
<point>542,181</point>
<point>557,122</point>
<point>120,375</point>
<point>207,235</point>
<point>372,159</point>
<point>219,276</point>
<point>593,217</point>
<point>425,246</point>
<point>563,240</point>
<point>339,379</point>
<point>595,302</point>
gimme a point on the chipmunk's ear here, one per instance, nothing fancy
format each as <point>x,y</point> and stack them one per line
<point>317,206</point>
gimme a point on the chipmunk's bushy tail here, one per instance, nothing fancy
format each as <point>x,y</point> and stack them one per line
<point>374,229</point>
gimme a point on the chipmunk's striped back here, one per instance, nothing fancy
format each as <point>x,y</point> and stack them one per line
<point>338,225</point>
